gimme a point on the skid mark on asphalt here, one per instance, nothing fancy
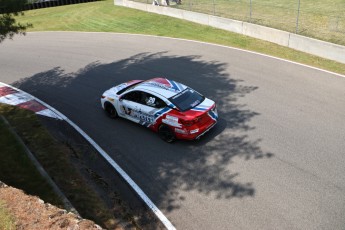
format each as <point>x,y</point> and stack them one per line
<point>24,100</point>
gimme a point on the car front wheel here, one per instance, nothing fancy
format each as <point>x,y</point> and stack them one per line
<point>110,110</point>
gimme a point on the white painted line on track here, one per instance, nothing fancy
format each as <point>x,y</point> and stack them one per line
<point>124,175</point>
<point>206,43</point>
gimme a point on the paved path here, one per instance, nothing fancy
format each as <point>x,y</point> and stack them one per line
<point>276,159</point>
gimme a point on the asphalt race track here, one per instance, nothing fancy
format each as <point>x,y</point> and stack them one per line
<point>275,160</point>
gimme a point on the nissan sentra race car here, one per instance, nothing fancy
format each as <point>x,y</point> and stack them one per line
<point>170,108</point>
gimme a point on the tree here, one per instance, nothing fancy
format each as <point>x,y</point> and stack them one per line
<point>8,25</point>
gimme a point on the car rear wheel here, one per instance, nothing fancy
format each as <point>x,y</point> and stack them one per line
<point>110,110</point>
<point>166,134</point>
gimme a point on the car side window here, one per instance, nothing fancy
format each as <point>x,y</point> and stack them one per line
<point>160,104</point>
<point>152,101</point>
<point>134,96</point>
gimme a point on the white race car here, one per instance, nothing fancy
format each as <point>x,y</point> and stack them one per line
<point>170,108</point>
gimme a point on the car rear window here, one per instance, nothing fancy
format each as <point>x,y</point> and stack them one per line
<point>187,99</point>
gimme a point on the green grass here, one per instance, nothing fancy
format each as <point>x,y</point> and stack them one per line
<point>103,16</point>
<point>17,170</point>
<point>322,19</point>
<point>6,220</point>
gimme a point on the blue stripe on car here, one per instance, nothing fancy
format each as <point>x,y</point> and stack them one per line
<point>213,115</point>
<point>180,86</point>
<point>199,109</point>
<point>161,112</point>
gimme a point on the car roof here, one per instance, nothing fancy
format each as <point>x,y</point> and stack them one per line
<point>162,86</point>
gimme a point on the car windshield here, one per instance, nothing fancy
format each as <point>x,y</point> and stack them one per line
<point>187,99</point>
<point>128,87</point>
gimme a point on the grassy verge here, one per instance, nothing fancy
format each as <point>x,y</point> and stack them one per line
<point>321,19</point>
<point>16,169</point>
<point>6,220</point>
<point>103,16</point>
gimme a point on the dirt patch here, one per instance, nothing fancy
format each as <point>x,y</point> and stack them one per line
<point>30,212</point>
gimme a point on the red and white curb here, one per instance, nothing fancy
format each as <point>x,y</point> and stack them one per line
<point>11,96</point>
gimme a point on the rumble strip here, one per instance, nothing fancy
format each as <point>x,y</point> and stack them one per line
<point>11,96</point>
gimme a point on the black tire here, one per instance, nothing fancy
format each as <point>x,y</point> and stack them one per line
<point>166,134</point>
<point>110,110</point>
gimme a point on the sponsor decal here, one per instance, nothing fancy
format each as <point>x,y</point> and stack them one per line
<point>182,131</point>
<point>143,117</point>
<point>179,94</point>
<point>125,110</point>
<point>169,117</point>
<point>110,99</point>
<point>171,120</point>
<point>194,131</point>
<point>195,103</point>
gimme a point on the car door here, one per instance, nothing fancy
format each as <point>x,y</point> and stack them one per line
<point>150,105</point>
<point>140,107</point>
<point>129,105</point>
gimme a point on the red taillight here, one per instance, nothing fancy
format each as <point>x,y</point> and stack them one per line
<point>102,96</point>
<point>189,122</point>
<point>186,123</point>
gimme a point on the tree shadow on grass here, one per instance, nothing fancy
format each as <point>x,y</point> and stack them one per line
<point>162,170</point>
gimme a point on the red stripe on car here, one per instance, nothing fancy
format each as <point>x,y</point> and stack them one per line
<point>161,81</point>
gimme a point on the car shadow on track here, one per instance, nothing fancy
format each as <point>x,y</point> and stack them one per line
<point>162,170</point>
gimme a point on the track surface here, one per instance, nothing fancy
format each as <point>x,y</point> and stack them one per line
<point>276,159</point>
